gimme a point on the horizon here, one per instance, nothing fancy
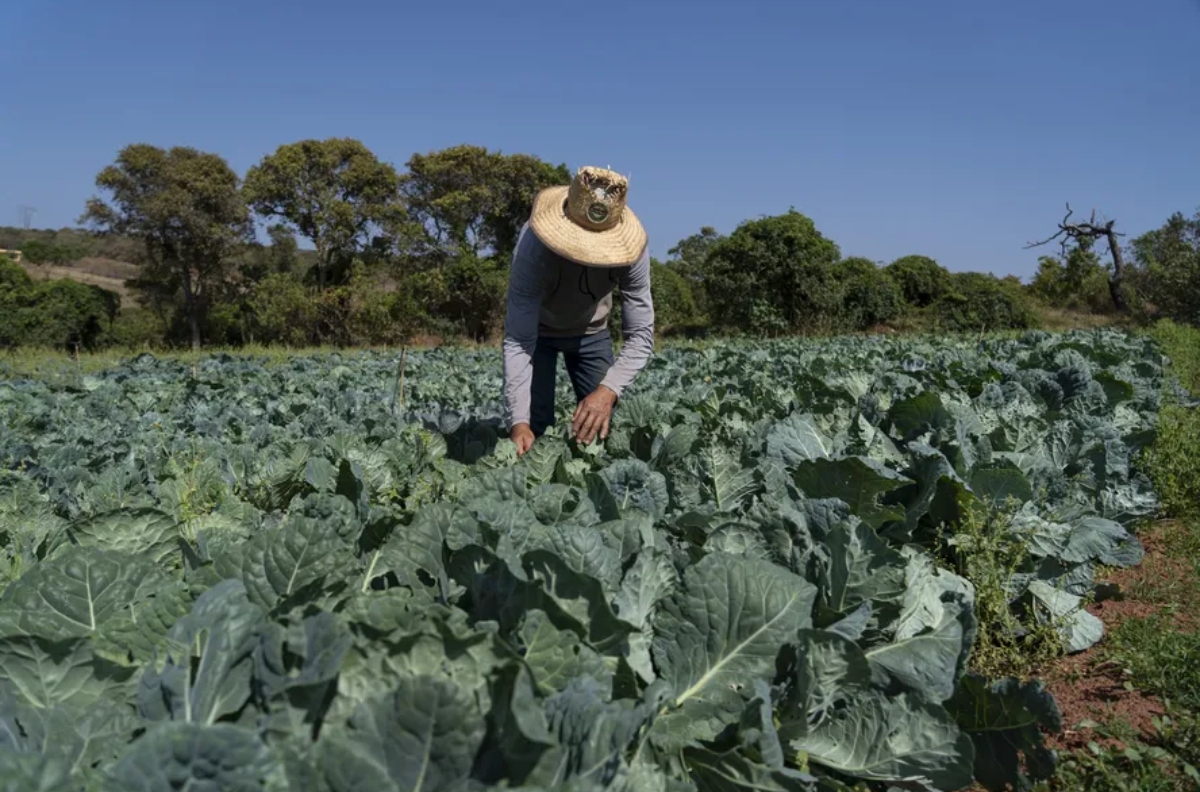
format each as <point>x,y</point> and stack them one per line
<point>955,133</point>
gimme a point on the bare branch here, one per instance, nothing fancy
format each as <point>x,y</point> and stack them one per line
<point>1068,231</point>
<point>1093,230</point>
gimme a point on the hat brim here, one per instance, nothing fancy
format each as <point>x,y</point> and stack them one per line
<point>619,246</point>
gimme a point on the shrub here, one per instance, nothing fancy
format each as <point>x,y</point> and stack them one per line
<point>135,329</point>
<point>978,302</point>
<point>674,303</point>
<point>869,296</point>
<point>61,314</point>
<point>282,311</point>
<point>774,275</point>
<point>466,296</point>
<point>922,280</point>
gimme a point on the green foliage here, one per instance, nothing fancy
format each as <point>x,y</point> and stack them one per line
<point>1172,460</point>
<point>465,296</point>
<point>76,243</point>
<point>922,280</point>
<point>985,550</point>
<point>282,311</point>
<point>1166,761</point>
<point>1080,282</point>
<point>41,251</point>
<point>978,302</point>
<point>1166,268</point>
<point>870,297</point>
<point>364,311</point>
<point>689,257</point>
<point>56,314</point>
<point>1182,345</point>
<point>281,255</point>
<point>335,192</point>
<point>434,243</point>
<point>1160,657</point>
<point>675,306</point>
<point>774,276</point>
<point>470,201</point>
<point>334,572</point>
<point>135,329</point>
<point>13,278</point>
<point>186,208</point>
<point>1157,653</point>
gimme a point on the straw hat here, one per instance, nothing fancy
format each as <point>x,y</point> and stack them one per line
<point>588,222</point>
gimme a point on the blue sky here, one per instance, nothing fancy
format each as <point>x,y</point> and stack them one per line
<point>953,129</point>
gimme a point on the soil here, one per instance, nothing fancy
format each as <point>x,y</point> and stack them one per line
<point>1087,686</point>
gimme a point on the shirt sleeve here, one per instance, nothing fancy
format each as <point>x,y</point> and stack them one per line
<point>522,313</point>
<point>637,326</point>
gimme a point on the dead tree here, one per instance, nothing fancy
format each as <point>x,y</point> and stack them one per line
<point>1093,229</point>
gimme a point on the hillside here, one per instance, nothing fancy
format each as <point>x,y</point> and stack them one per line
<point>75,254</point>
<point>103,272</point>
<point>71,243</point>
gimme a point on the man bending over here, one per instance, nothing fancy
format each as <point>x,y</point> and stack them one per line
<point>581,241</point>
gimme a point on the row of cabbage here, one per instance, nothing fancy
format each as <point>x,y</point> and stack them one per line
<point>326,575</point>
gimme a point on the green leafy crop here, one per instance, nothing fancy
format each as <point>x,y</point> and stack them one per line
<point>230,576</point>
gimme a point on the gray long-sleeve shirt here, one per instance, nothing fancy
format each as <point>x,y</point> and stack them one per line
<point>551,296</point>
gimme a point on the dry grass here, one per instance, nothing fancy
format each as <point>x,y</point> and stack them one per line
<point>107,268</point>
<point>1057,320</point>
<point>105,273</point>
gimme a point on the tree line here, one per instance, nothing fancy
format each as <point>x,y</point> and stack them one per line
<point>396,254</point>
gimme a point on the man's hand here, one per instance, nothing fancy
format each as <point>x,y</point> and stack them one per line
<point>593,414</point>
<point>522,435</point>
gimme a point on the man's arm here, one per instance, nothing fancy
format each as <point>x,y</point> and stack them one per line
<point>637,326</point>
<point>523,307</point>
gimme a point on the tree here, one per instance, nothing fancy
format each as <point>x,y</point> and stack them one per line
<point>980,302</point>
<point>333,191</point>
<point>471,201</point>
<point>1077,282</point>
<point>674,302</point>
<point>774,275</point>
<point>869,296</point>
<point>689,257</point>
<point>1167,267</point>
<point>39,252</point>
<point>279,256</point>
<point>1092,230</point>
<point>185,208</point>
<point>922,280</point>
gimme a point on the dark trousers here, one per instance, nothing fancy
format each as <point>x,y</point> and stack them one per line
<point>588,359</point>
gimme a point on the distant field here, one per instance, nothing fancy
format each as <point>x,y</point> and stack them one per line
<point>106,273</point>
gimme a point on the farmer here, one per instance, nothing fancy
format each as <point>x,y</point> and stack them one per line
<point>581,241</point>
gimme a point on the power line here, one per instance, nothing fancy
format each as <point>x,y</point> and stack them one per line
<point>25,215</point>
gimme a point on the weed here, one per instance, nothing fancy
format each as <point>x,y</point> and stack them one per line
<point>986,551</point>
<point>1167,761</point>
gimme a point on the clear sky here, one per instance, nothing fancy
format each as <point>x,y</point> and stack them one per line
<point>953,129</point>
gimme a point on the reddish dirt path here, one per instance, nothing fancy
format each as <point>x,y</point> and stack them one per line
<point>1089,688</point>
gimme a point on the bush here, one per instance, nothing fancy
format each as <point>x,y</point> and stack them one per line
<point>977,302</point>
<point>61,314</point>
<point>282,311</point>
<point>1165,271</point>
<point>1172,458</point>
<point>675,306</point>
<point>136,329</point>
<point>774,275</point>
<point>869,296</point>
<point>466,296</point>
<point>922,280</point>
<point>1079,283</point>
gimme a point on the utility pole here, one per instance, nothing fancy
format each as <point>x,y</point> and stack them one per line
<point>25,215</point>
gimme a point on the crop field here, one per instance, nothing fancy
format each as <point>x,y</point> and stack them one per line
<point>319,575</point>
